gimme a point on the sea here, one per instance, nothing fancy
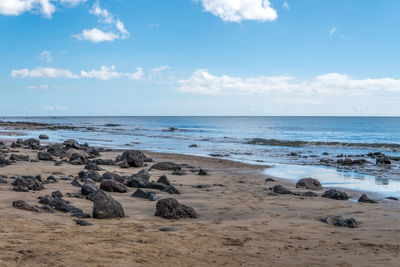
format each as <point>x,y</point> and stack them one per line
<point>290,147</point>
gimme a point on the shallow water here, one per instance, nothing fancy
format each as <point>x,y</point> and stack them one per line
<point>257,140</point>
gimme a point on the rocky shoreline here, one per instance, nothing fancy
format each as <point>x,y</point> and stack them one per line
<point>78,185</point>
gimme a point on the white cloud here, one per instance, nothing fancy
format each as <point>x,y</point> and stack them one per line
<point>105,73</point>
<point>285,5</point>
<point>138,75</point>
<point>45,7</point>
<point>54,108</point>
<point>40,87</point>
<point>43,73</point>
<point>332,31</point>
<point>161,68</point>
<point>238,10</point>
<point>202,82</point>
<point>96,35</point>
<point>45,56</point>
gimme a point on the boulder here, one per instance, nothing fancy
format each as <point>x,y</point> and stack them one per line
<point>93,167</point>
<point>20,204</point>
<point>19,157</point>
<point>43,137</point>
<point>170,208</point>
<point>145,194</point>
<point>71,143</point>
<point>202,172</point>
<point>270,180</point>
<point>155,185</point>
<point>106,207</point>
<point>383,161</point>
<point>93,175</point>
<point>57,150</point>
<point>166,166</point>
<point>164,180</point>
<point>113,186</point>
<point>28,182</point>
<point>171,190</point>
<point>43,155</point>
<point>89,187</point>
<point>364,198</point>
<point>31,143</point>
<point>178,172</point>
<point>133,158</point>
<point>335,194</point>
<point>279,189</point>
<point>351,162</point>
<point>309,183</point>
<point>93,152</point>
<point>82,223</point>
<point>76,183</point>
<point>112,176</point>
<point>340,221</point>
<point>57,194</point>
<point>108,162</point>
<point>77,159</point>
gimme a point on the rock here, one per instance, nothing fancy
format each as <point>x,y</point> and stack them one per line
<point>168,229</point>
<point>57,194</point>
<point>43,155</point>
<point>20,204</point>
<point>364,198</point>
<point>139,180</point>
<point>309,194</point>
<point>170,208</point>
<point>93,167</point>
<point>112,176</point>
<point>76,183</point>
<point>335,194</point>
<point>89,187</point>
<point>383,161</point>
<point>106,207</point>
<point>164,180</point>
<point>145,194</point>
<point>43,137</point>
<point>155,185</point>
<point>309,183</point>
<point>171,190</point>
<point>340,221</point>
<point>64,206</point>
<point>193,145</point>
<point>279,189</point>
<point>3,180</point>
<point>28,182</point>
<point>20,188</point>
<point>133,158</point>
<point>108,162</point>
<point>270,180</point>
<point>93,152</point>
<point>52,179</point>
<point>19,157</point>
<point>178,172</point>
<point>82,223</point>
<point>202,172</point>
<point>57,150</point>
<point>202,186</point>
<point>4,162</point>
<point>31,143</point>
<point>143,175</point>
<point>350,162</point>
<point>166,166</point>
<point>77,159</point>
<point>113,186</point>
<point>93,175</point>
<point>393,198</point>
<point>71,143</point>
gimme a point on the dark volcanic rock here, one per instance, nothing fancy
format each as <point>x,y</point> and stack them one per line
<point>77,159</point>
<point>170,208</point>
<point>335,194</point>
<point>112,176</point>
<point>193,145</point>
<point>19,157</point>
<point>171,190</point>
<point>57,150</point>
<point>57,194</point>
<point>28,182</point>
<point>178,172</point>
<point>106,207</point>
<point>139,180</point>
<point>19,188</point>
<point>145,194</point>
<point>82,223</point>
<point>43,155</point>
<point>93,167</point>
<point>393,198</point>
<point>4,162</point>
<point>71,143</point>
<point>31,143</point>
<point>309,183</point>
<point>20,204</point>
<point>270,180</point>
<point>351,162</point>
<point>113,186</point>
<point>279,189</point>
<point>166,166</point>
<point>340,221</point>
<point>133,158</point>
<point>383,161</point>
<point>93,175</point>
<point>89,187</point>
<point>93,152</point>
<point>108,162</point>
<point>43,137</point>
<point>155,185</point>
<point>364,198</point>
<point>202,172</point>
<point>76,183</point>
<point>164,180</point>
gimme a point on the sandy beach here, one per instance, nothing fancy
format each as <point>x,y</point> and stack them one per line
<point>240,223</point>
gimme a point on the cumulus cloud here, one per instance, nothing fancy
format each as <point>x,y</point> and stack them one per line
<point>45,56</point>
<point>238,10</point>
<point>202,82</point>
<point>97,35</point>
<point>43,73</point>
<point>104,73</point>
<point>44,7</point>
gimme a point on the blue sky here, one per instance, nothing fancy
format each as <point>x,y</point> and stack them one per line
<point>204,57</point>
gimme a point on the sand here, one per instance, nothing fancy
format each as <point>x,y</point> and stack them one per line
<point>239,224</point>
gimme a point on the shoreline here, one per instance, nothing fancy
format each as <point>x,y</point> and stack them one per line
<point>240,222</point>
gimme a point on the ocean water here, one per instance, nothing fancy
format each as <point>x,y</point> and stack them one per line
<point>287,143</point>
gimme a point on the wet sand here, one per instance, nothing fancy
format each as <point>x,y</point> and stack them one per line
<point>240,223</point>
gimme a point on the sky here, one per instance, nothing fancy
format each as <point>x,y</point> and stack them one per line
<point>200,57</point>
